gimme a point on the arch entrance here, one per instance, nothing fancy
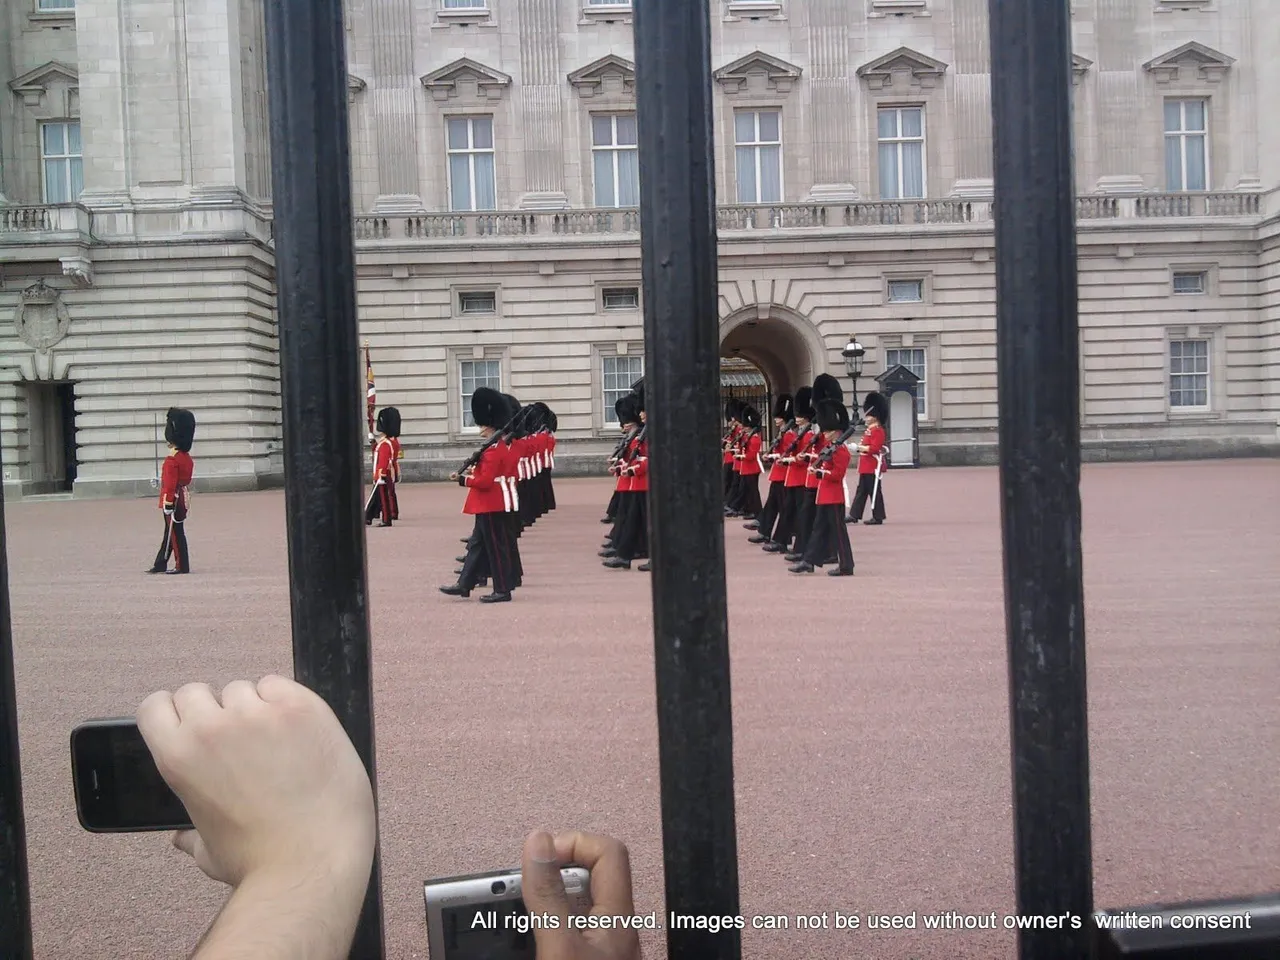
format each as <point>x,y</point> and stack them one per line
<point>779,345</point>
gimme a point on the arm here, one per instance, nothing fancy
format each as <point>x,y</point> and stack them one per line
<point>875,442</point>
<point>169,484</point>
<point>382,461</point>
<point>485,473</point>
<point>839,465</point>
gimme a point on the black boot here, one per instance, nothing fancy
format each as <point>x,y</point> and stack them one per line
<point>457,590</point>
<point>801,567</point>
<point>495,598</point>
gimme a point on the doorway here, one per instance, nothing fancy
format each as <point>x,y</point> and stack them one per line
<point>51,419</point>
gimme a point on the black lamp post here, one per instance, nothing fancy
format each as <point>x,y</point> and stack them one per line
<point>853,354</point>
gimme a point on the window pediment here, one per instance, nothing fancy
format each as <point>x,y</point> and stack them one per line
<point>1191,61</point>
<point>610,74</point>
<point>903,66</point>
<point>450,80</point>
<point>756,72</point>
<point>354,85</point>
<point>1079,67</point>
<point>33,86</point>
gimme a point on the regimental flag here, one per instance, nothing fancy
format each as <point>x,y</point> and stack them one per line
<point>371,401</point>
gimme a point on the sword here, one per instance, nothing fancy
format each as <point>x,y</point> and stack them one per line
<point>155,481</point>
<point>875,490</point>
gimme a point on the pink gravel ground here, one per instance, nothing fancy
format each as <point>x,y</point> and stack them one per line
<point>871,745</point>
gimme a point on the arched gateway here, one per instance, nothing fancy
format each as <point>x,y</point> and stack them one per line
<point>781,343</point>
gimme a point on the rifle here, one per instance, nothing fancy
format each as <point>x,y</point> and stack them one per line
<point>777,444</point>
<point>829,452</point>
<point>624,443</point>
<point>510,426</point>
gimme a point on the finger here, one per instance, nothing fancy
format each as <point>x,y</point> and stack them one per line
<point>194,700</point>
<point>543,890</point>
<point>157,719</point>
<point>274,688</point>
<point>187,841</point>
<point>241,695</point>
<point>610,866</point>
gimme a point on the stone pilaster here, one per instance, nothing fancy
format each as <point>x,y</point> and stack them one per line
<point>971,103</point>
<point>540,105</point>
<point>394,87</point>
<point>104,114</point>
<point>215,112</point>
<point>8,115</point>
<point>1250,117</point>
<point>832,102</point>
<point>1119,93</point>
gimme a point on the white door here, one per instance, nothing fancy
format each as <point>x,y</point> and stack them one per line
<point>902,448</point>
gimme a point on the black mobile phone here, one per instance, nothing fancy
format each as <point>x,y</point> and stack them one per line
<point>118,788</point>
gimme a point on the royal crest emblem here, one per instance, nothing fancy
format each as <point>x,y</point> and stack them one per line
<point>41,319</point>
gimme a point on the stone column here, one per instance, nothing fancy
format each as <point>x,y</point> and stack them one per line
<point>8,103</point>
<point>1248,117</point>
<point>215,115</point>
<point>392,91</point>
<point>540,105</point>
<point>104,116</point>
<point>1119,97</point>
<point>971,90</point>
<point>832,103</point>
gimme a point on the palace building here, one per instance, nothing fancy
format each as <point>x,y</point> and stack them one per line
<point>493,154</point>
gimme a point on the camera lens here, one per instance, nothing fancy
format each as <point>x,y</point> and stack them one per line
<point>498,887</point>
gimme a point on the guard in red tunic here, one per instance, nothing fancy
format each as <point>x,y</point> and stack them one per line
<point>175,498</point>
<point>382,502</point>
<point>871,460</point>
<point>793,481</point>
<point>632,539</point>
<point>782,410</point>
<point>730,441</point>
<point>749,464</point>
<point>621,504</point>
<point>825,388</point>
<point>828,542</point>
<point>492,552</point>
<point>621,406</point>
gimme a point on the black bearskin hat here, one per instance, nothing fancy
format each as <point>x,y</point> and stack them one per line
<point>827,387</point>
<point>389,422</point>
<point>553,422</point>
<point>489,408</point>
<point>625,408</point>
<point>637,389</point>
<point>877,405</point>
<point>782,407</point>
<point>750,416</point>
<point>804,404</point>
<point>832,415</point>
<point>180,428</point>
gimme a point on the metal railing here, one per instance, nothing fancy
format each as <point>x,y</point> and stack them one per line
<point>1039,465</point>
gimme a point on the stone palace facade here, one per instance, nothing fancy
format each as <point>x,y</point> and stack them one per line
<point>495,179</point>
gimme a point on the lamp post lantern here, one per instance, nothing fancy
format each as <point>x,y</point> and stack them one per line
<point>853,354</point>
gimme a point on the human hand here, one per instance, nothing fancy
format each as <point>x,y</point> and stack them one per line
<point>610,867</point>
<point>271,780</point>
<point>453,476</point>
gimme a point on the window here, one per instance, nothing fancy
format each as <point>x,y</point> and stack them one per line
<point>615,161</point>
<point>1189,374</point>
<point>913,359</point>
<point>52,5</point>
<point>61,165</point>
<point>1186,157</point>
<point>1189,282</point>
<point>477,373</point>
<point>471,182</point>
<point>906,291</point>
<point>901,132</point>
<point>620,298</point>
<point>758,135</point>
<point>477,301</point>
<point>465,4</point>
<point>619,374</point>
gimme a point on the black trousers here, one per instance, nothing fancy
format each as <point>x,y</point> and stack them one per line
<point>728,479</point>
<point>788,516</point>
<point>866,485</point>
<point>550,503</point>
<point>772,506</point>
<point>632,541</point>
<point>382,503</point>
<point>749,502</point>
<point>492,552</point>
<point>804,522</point>
<point>174,543</point>
<point>611,510</point>
<point>829,539</point>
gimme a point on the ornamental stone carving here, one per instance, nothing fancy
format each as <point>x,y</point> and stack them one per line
<point>41,319</point>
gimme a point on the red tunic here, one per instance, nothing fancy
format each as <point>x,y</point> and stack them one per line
<point>625,479</point>
<point>797,471</point>
<point>816,446</point>
<point>385,466</point>
<point>640,467</point>
<point>873,439</point>
<point>733,440</point>
<point>395,443</point>
<point>174,477</point>
<point>750,462</point>
<point>779,471</point>
<point>831,484</point>
<point>484,493</point>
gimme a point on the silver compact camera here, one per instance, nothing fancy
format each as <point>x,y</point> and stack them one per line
<point>483,916</point>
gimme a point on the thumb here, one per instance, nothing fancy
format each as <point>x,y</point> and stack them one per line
<point>544,894</point>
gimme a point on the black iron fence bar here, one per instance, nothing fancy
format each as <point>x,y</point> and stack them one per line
<point>1244,929</point>
<point>15,890</point>
<point>320,379</point>
<point>1038,376</point>
<point>682,343</point>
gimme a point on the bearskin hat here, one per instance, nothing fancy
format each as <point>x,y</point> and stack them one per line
<point>637,390</point>
<point>804,404</point>
<point>625,408</point>
<point>750,416</point>
<point>832,415</point>
<point>827,387</point>
<point>180,428</point>
<point>553,422</point>
<point>877,405</point>
<point>389,422</point>
<point>783,407</point>
<point>489,408</point>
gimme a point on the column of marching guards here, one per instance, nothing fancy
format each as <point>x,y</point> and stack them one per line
<point>628,511</point>
<point>803,516</point>
<point>508,481</point>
